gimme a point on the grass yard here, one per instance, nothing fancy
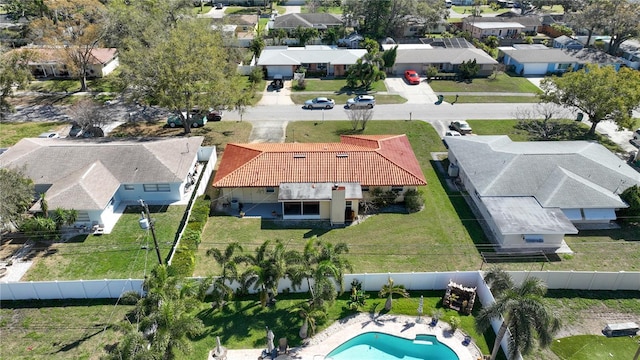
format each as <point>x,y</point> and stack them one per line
<point>109,83</point>
<point>338,86</point>
<point>59,329</point>
<point>218,133</point>
<point>483,10</point>
<point>587,347</point>
<point>337,10</point>
<point>341,99</point>
<point>12,132</point>
<point>118,255</point>
<point>502,83</point>
<point>201,9</point>
<point>474,99</point>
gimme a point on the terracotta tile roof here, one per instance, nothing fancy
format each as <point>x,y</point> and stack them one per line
<point>378,160</point>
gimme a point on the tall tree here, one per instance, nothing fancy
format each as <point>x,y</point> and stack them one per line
<point>366,71</point>
<point>599,92</point>
<point>389,289</point>
<point>622,24</point>
<point>187,68</point>
<point>431,13</point>
<point>16,196</point>
<point>304,34</point>
<point>592,17</point>
<point>380,18</point>
<point>523,312</point>
<point>75,28</point>
<point>14,71</point>
<point>25,8</point>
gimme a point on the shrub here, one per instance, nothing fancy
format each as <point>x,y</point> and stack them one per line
<point>382,198</point>
<point>40,228</point>
<point>454,323</point>
<point>191,239</point>
<point>183,263</point>
<point>200,211</point>
<point>256,75</point>
<point>413,201</point>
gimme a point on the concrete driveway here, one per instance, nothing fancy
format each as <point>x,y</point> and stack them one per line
<point>415,94</point>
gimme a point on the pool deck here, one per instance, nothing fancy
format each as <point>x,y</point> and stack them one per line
<point>322,343</point>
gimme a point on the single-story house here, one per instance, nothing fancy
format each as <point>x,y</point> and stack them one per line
<point>530,194</point>
<point>320,21</point>
<point>630,53</point>
<point>541,60</point>
<point>351,41</point>
<point>238,30</point>
<point>95,176</point>
<point>284,60</point>
<point>500,26</point>
<point>318,181</point>
<point>49,62</point>
<point>566,42</point>
<point>419,57</point>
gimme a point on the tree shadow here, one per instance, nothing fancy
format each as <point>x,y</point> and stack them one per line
<point>78,342</point>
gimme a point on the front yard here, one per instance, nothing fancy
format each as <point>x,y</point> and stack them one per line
<point>502,83</point>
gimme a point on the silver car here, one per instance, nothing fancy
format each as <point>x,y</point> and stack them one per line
<point>361,101</point>
<point>319,103</point>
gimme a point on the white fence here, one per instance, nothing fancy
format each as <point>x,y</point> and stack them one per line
<point>78,289</point>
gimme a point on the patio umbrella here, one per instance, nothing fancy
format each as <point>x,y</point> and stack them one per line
<point>270,338</point>
<point>420,306</point>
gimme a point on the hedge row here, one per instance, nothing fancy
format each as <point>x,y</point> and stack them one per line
<point>184,260</point>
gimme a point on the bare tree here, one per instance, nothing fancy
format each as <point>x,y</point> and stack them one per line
<point>89,115</point>
<point>359,116</point>
<point>543,121</point>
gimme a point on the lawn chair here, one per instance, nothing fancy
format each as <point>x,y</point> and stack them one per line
<point>283,346</point>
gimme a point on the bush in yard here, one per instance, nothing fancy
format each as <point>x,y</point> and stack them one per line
<point>432,71</point>
<point>632,197</point>
<point>40,228</point>
<point>200,211</point>
<point>256,75</point>
<point>383,198</point>
<point>413,201</point>
<point>190,239</point>
<point>183,264</point>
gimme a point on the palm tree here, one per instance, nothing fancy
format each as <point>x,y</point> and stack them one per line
<point>44,206</point>
<point>523,312</point>
<point>388,290</point>
<point>227,260</point>
<point>309,317</point>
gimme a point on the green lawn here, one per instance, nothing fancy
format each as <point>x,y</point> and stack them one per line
<point>483,10</point>
<point>473,99</point>
<point>329,9</point>
<point>59,329</point>
<point>336,86</point>
<point>201,10</point>
<point>502,83</point>
<point>119,255</point>
<point>12,132</point>
<point>341,99</point>
<point>109,83</point>
<point>588,347</point>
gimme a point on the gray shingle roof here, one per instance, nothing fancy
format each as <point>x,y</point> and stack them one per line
<point>536,55</point>
<point>439,55</point>
<point>87,172</point>
<point>524,20</point>
<point>523,215</point>
<point>565,174</point>
<point>292,21</point>
<point>309,55</point>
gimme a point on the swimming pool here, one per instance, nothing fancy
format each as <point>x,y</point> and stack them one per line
<point>381,346</point>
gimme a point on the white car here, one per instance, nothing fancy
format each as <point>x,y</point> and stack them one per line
<point>319,103</point>
<point>361,101</point>
<point>452,133</point>
<point>460,126</point>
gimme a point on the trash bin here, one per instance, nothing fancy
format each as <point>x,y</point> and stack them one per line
<point>441,98</point>
<point>580,116</point>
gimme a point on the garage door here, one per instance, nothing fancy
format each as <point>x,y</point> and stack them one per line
<point>401,68</point>
<point>286,71</point>
<point>535,69</point>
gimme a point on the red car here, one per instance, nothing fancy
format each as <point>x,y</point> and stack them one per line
<point>412,77</point>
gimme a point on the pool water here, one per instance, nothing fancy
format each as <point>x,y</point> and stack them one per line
<point>380,346</point>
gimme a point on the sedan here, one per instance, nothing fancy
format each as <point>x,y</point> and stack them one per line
<point>319,103</point>
<point>412,77</point>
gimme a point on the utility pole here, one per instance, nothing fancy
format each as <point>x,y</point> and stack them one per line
<point>151,226</point>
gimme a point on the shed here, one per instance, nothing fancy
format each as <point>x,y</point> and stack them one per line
<point>621,329</point>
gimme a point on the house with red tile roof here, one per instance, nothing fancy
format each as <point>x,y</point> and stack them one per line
<point>318,181</point>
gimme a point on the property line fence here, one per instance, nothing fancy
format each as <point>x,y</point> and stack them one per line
<point>114,288</point>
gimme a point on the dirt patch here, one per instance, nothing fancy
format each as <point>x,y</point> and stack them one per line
<point>592,321</point>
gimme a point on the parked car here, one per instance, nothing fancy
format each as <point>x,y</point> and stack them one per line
<point>196,121</point>
<point>636,135</point>
<point>219,6</point>
<point>320,103</point>
<point>412,77</point>
<point>361,101</point>
<point>452,133</point>
<point>460,126</point>
<point>211,114</point>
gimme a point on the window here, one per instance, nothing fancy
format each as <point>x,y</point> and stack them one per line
<point>365,188</point>
<point>533,238</point>
<point>563,66</point>
<point>270,190</point>
<point>397,188</point>
<point>311,208</point>
<point>129,187</point>
<point>292,208</point>
<point>156,188</point>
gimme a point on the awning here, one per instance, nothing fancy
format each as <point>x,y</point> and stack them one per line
<point>316,191</point>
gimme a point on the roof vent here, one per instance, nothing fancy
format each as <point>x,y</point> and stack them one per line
<point>342,155</point>
<point>299,156</point>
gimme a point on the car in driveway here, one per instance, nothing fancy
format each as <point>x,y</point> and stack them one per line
<point>412,77</point>
<point>636,135</point>
<point>361,101</point>
<point>197,120</point>
<point>452,133</point>
<point>460,126</point>
<point>320,103</point>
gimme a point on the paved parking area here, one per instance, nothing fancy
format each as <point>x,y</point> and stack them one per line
<point>415,94</point>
